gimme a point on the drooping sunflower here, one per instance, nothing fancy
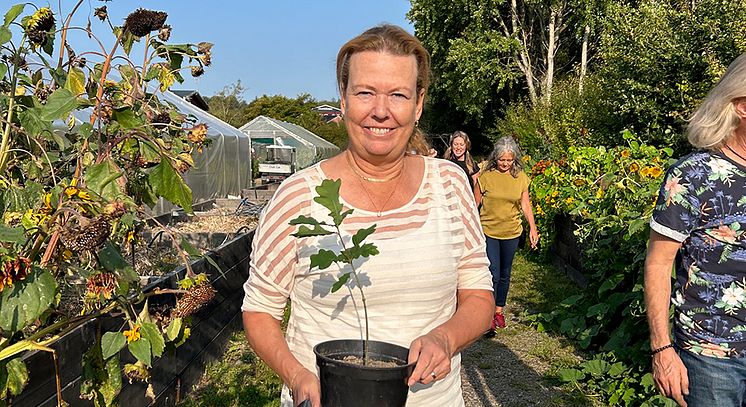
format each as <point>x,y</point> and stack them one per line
<point>141,22</point>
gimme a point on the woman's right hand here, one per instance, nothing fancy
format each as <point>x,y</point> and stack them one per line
<point>305,386</point>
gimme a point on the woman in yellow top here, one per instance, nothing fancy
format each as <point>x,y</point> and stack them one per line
<point>502,191</point>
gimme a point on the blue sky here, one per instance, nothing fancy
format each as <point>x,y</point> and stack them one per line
<point>274,47</point>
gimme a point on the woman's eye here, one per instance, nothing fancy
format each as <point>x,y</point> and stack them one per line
<point>399,96</point>
<point>364,95</point>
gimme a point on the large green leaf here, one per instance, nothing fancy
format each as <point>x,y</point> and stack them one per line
<point>75,82</point>
<point>101,379</point>
<point>112,343</point>
<point>5,35</point>
<point>59,104</point>
<point>151,332</point>
<point>13,377</point>
<point>167,183</point>
<point>11,235</point>
<point>323,259</point>
<point>570,375</point>
<point>111,259</point>
<point>174,328</point>
<point>100,178</point>
<point>328,197</point>
<point>361,234</point>
<point>32,121</point>
<point>26,300</point>
<point>13,13</point>
<point>126,118</point>
<point>141,350</point>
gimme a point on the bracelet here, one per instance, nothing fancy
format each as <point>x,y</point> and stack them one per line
<point>661,349</point>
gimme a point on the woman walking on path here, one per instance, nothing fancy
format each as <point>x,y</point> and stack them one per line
<point>502,191</point>
<point>458,153</point>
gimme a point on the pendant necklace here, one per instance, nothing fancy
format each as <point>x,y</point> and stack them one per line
<point>357,172</point>
<point>734,152</point>
<point>370,198</point>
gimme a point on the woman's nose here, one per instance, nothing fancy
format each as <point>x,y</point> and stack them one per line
<point>381,106</point>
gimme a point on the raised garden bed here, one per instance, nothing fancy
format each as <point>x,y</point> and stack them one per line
<point>172,374</point>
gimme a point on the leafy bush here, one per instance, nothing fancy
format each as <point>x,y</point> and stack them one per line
<point>610,194</point>
<point>84,145</point>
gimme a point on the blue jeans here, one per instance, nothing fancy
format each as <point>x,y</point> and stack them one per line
<point>715,382</point>
<point>501,253</point>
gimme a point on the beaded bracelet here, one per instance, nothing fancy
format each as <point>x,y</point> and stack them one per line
<point>661,349</point>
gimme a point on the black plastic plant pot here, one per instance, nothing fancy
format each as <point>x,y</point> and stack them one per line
<point>345,384</point>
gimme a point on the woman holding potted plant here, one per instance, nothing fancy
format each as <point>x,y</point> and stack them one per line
<point>429,289</point>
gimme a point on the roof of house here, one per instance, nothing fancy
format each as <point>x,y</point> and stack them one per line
<point>193,97</point>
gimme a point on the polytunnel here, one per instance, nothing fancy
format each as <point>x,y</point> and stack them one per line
<point>309,148</point>
<point>222,169</point>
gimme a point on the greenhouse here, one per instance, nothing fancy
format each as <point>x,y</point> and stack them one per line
<point>308,147</point>
<point>222,169</point>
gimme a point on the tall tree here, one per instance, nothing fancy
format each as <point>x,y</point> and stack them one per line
<point>228,104</point>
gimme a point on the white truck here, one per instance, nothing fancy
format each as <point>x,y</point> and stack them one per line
<point>278,164</point>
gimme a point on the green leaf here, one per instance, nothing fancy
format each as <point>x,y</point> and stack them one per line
<point>173,329</point>
<point>141,350</point>
<point>26,300</point>
<point>361,234</point>
<point>126,118</point>
<point>304,231</point>
<point>3,70</point>
<point>617,369</point>
<point>85,130</point>
<point>5,35</point>
<point>110,257</point>
<point>597,310</point>
<point>213,263</point>
<point>341,282</point>
<point>168,184</point>
<point>101,380</point>
<point>13,13</point>
<point>596,367</point>
<point>59,104</point>
<point>328,197</point>
<point>100,178</point>
<point>16,376</point>
<point>189,248</point>
<point>144,315</point>
<point>75,82</point>
<point>33,123</point>
<point>112,343</point>
<point>151,332</point>
<point>323,259</point>
<point>304,220</point>
<point>570,375</point>
<point>12,235</point>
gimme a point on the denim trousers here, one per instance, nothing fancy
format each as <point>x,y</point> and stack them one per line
<point>501,253</point>
<point>715,382</point>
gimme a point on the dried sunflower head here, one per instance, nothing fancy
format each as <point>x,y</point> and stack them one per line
<point>196,298</point>
<point>38,25</point>
<point>102,285</point>
<point>198,133</point>
<point>13,270</point>
<point>197,71</point>
<point>137,371</point>
<point>141,22</point>
<point>89,237</point>
<point>101,13</point>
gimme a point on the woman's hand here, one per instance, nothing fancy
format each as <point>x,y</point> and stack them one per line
<point>432,352</point>
<point>533,237</point>
<point>304,385</point>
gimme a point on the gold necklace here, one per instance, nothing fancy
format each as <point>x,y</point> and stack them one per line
<point>357,172</point>
<point>393,191</point>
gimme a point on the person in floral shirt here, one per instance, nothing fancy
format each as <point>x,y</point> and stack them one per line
<point>699,223</point>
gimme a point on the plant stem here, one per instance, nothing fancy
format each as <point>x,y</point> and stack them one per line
<point>350,261</point>
<point>63,36</point>
<point>5,144</point>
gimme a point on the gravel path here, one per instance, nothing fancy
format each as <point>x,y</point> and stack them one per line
<point>509,370</point>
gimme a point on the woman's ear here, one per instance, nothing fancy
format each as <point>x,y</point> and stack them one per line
<point>740,106</point>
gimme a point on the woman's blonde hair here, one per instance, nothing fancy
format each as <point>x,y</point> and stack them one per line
<point>714,121</point>
<point>448,155</point>
<point>396,41</point>
<point>506,145</point>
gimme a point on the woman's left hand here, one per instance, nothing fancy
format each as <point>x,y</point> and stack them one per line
<point>432,352</point>
<point>533,236</point>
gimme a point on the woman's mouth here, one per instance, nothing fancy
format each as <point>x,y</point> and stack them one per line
<point>378,131</point>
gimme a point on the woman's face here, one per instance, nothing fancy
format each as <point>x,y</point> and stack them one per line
<point>505,161</point>
<point>458,146</point>
<point>381,104</point>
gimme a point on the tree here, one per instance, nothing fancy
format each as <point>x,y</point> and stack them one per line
<point>228,104</point>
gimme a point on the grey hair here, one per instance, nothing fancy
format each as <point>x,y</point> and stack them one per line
<point>714,121</point>
<point>506,145</point>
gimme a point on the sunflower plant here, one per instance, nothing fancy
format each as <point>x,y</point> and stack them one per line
<point>86,146</point>
<point>609,194</point>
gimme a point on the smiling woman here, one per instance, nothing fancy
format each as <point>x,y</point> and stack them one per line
<point>424,213</point>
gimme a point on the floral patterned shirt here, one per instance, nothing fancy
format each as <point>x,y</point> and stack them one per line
<point>702,203</point>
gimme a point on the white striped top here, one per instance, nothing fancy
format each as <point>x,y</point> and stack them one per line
<point>429,248</point>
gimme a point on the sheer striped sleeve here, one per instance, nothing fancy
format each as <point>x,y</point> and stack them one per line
<point>473,267</point>
<point>273,250</point>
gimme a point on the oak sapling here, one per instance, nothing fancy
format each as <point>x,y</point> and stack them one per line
<point>328,197</point>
